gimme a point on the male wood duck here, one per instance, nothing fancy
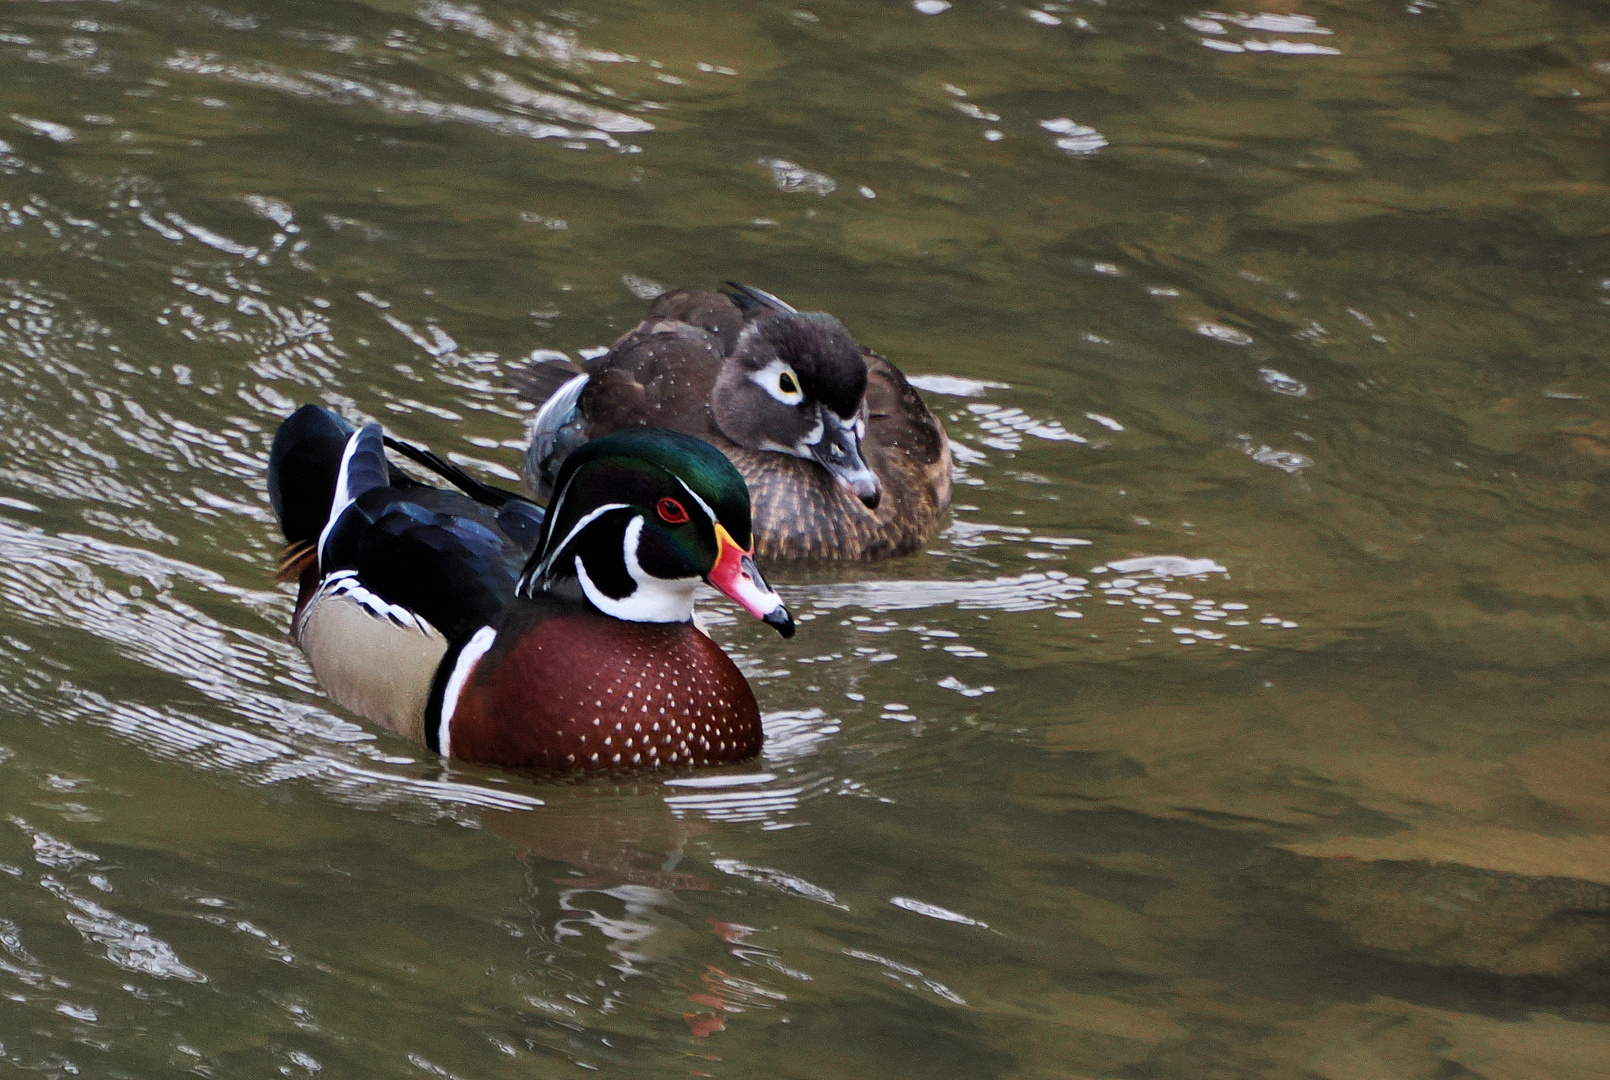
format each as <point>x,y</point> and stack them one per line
<point>842,458</point>
<point>472,622</point>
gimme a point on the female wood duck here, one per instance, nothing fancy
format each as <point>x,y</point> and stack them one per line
<point>472,622</point>
<point>843,459</point>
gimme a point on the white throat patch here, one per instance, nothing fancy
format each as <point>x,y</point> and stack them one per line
<point>806,447</point>
<point>655,600</point>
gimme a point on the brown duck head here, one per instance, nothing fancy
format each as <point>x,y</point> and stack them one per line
<point>796,384</point>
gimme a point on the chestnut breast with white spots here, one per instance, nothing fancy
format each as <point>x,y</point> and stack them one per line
<point>581,691</point>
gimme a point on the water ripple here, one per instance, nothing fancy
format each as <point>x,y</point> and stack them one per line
<point>57,581</point>
<point>394,99</point>
<point>128,944</point>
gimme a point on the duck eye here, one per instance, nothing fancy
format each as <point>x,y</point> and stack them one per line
<point>671,512</point>
<point>787,383</point>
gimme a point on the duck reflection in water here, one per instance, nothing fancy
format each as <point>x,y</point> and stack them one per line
<point>623,852</point>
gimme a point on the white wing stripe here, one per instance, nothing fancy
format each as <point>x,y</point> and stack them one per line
<point>555,411</point>
<point>346,584</point>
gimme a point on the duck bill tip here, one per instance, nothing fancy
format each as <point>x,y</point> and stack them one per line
<point>839,452</point>
<point>864,486</point>
<point>737,576</point>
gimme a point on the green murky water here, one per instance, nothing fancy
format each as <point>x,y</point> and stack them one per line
<point>1248,719</point>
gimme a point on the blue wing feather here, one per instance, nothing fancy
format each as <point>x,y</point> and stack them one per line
<point>447,557</point>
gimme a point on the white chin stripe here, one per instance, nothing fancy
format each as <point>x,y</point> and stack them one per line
<point>811,438</point>
<point>468,657</point>
<point>805,448</point>
<point>655,600</point>
<point>529,582</point>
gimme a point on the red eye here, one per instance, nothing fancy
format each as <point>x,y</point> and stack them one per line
<point>671,512</point>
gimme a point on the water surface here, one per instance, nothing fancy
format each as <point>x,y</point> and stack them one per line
<point>1247,719</point>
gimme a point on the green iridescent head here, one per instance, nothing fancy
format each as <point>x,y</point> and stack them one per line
<point>639,518</point>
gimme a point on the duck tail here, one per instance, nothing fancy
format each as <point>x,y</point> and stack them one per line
<point>295,560</point>
<point>751,300</point>
<point>485,494</point>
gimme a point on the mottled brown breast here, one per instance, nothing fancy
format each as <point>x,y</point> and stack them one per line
<point>581,691</point>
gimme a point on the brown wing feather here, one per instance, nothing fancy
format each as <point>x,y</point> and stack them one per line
<point>707,310</point>
<point>897,417</point>
<point>658,375</point>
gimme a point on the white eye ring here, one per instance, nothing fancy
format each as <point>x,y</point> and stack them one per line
<point>776,378</point>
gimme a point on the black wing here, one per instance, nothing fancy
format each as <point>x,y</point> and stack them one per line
<point>451,557</point>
